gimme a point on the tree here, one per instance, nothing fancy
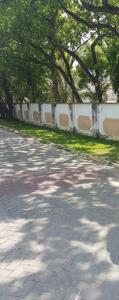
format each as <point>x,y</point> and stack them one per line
<point>96,26</point>
<point>57,50</point>
<point>113,65</point>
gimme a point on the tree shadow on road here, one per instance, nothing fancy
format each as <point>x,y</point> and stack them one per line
<point>59,224</point>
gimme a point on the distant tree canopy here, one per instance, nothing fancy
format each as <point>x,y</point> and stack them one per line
<point>58,51</point>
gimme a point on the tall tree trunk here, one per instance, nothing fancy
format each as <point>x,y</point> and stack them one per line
<point>3,110</point>
<point>70,83</point>
<point>55,81</point>
<point>52,37</point>
<point>98,92</point>
<point>9,97</point>
<point>32,87</point>
<point>75,94</point>
<point>98,89</point>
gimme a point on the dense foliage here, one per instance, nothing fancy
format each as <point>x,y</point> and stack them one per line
<point>63,50</point>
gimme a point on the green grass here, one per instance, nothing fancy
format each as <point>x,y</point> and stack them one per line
<point>97,148</point>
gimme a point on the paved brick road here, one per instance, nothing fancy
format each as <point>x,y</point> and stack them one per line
<point>59,224</point>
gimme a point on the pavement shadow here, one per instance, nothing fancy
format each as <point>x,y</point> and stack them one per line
<point>59,219</point>
<point>113,245</point>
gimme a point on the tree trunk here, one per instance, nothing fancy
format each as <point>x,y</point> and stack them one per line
<point>98,89</point>
<point>2,109</point>
<point>8,95</point>
<point>70,83</point>
<point>75,94</point>
<point>55,81</point>
<point>98,92</point>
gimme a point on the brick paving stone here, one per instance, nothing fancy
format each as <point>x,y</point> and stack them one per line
<point>59,224</point>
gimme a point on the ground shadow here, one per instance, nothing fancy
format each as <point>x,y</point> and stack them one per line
<point>59,220</point>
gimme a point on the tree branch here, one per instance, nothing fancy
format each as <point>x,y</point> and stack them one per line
<point>91,25</point>
<point>105,8</point>
<point>75,92</point>
<point>81,63</point>
<point>60,69</point>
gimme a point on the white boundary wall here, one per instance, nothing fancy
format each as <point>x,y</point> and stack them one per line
<point>34,115</point>
<point>18,112</point>
<point>102,120</point>
<point>109,119</point>
<point>25,112</point>
<point>82,114</point>
<point>46,114</point>
<point>63,117</point>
